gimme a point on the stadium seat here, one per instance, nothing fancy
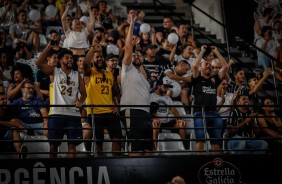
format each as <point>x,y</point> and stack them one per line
<point>166,143</point>
<point>38,146</point>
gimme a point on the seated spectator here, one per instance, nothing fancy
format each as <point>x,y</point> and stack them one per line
<point>20,74</point>
<point>225,101</point>
<point>271,126</point>
<point>106,16</point>
<point>187,54</point>
<point>185,37</point>
<point>31,110</point>
<point>268,44</point>
<point>7,120</point>
<point>241,126</point>
<point>138,20</point>
<point>255,85</point>
<point>238,83</point>
<point>161,118</point>
<point>5,67</point>
<point>25,33</point>
<point>179,75</point>
<point>163,31</point>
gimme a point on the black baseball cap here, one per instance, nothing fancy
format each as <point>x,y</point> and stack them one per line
<point>150,46</point>
<point>110,56</point>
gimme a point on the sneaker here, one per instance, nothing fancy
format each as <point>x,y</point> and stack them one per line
<point>24,151</point>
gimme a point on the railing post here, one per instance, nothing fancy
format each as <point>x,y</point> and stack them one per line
<point>205,129</point>
<point>93,132</point>
<point>274,81</point>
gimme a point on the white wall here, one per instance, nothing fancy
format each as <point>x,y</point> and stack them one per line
<point>213,8</point>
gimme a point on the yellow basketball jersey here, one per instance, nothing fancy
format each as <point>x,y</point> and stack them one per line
<point>99,91</point>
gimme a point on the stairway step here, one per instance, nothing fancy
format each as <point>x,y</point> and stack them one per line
<point>163,14</point>
<point>143,6</point>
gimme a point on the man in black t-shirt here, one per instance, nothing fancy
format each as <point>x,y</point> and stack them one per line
<point>204,83</point>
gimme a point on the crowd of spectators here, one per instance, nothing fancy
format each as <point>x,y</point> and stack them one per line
<point>70,59</point>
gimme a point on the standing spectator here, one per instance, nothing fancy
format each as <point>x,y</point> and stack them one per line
<point>186,54</point>
<point>64,88</point>
<point>76,37</point>
<point>162,120</point>
<point>31,110</point>
<point>25,33</point>
<point>136,91</point>
<point>101,90</point>
<point>86,127</point>
<point>204,89</point>
<point>241,126</point>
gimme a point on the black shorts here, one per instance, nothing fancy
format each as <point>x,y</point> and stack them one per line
<point>109,121</point>
<point>140,129</point>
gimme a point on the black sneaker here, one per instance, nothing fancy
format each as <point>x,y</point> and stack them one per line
<point>24,151</point>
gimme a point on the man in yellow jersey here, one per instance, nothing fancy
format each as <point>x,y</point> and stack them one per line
<point>102,91</point>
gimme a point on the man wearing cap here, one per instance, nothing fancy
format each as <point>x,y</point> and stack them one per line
<point>101,90</point>
<point>161,119</point>
<point>205,89</point>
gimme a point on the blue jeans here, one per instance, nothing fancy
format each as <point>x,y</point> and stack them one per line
<point>240,146</point>
<point>213,123</point>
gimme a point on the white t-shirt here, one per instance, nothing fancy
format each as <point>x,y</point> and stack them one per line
<point>135,88</point>
<point>162,101</point>
<point>76,39</point>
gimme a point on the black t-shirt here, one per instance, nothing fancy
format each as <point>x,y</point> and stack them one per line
<point>204,91</point>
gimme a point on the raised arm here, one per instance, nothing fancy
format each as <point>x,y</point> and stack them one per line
<point>196,63</point>
<point>64,24</point>
<point>258,86</point>
<point>224,65</point>
<point>42,64</point>
<point>128,48</point>
<point>92,18</point>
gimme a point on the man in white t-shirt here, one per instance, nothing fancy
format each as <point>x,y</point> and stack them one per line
<point>161,117</point>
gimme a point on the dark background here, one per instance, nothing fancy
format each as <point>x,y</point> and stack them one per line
<point>239,18</point>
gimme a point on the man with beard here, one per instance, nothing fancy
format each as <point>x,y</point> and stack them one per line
<point>31,110</point>
<point>204,89</point>
<point>64,88</point>
<point>161,119</point>
<point>135,92</point>
<point>101,90</point>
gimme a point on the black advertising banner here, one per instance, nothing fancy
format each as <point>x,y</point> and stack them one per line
<point>223,169</point>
